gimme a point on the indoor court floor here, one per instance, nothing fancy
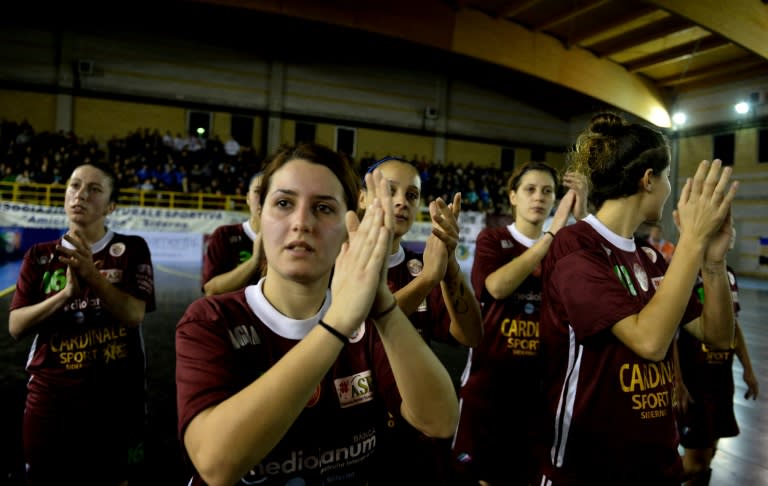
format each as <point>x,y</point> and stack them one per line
<point>741,460</point>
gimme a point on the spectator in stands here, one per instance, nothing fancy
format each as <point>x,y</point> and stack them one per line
<point>84,298</point>
<point>233,258</point>
<point>489,448</point>
<point>432,292</point>
<point>656,238</point>
<point>231,147</point>
<point>611,310</point>
<point>295,372</point>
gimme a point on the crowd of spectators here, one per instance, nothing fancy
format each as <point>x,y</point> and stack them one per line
<point>148,160</point>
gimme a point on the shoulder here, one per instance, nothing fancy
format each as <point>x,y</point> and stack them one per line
<point>494,232</point>
<point>491,235</point>
<point>228,230</point>
<point>215,308</point>
<point>576,242</point>
<point>122,242</point>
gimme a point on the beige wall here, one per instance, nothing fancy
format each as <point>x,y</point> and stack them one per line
<point>381,143</point>
<point>750,209</point>
<point>39,109</point>
<point>481,154</point>
<point>103,119</point>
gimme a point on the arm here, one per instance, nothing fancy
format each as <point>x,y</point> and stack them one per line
<point>23,320</point>
<point>410,296</point>
<point>740,349</point>
<point>239,276</point>
<point>129,309</point>
<point>702,211</point>
<point>501,283</point>
<point>462,305</point>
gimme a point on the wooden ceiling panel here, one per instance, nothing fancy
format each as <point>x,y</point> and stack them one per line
<point>643,51</point>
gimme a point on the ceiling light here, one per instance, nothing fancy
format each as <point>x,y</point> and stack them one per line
<point>679,118</point>
<point>741,107</point>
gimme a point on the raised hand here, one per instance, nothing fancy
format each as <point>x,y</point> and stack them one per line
<point>579,184</point>
<point>72,289</point>
<point>79,259</point>
<point>703,211</point>
<point>435,259</point>
<point>445,221</point>
<point>360,269</point>
<point>563,211</point>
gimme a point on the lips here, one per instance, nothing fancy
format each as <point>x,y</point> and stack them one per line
<point>301,246</point>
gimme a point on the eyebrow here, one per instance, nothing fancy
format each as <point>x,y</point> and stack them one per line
<point>76,179</point>
<point>321,197</point>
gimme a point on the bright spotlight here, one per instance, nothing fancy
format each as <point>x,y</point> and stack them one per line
<point>679,118</point>
<point>200,131</point>
<point>741,107</point>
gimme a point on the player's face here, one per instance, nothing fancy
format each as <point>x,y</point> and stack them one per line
<point>405,187</point>
<point>86,199</point>
<point>534,197</point>
<point>303,221</point>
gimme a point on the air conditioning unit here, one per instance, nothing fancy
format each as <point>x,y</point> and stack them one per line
<point>430,113</point>
<point>85,67</point>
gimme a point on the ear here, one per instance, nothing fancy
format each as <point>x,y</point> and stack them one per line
<point>646,182</point>
<point>110,208</point>
<point>361,198</point>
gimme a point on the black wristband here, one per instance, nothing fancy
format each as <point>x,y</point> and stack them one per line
<point>335,332</point>
<point>386,311</point>
<point>550,234</point>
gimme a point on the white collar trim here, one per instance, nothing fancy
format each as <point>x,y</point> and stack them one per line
<point>96,247</point>
<point>280,324</point>
<point>626,244</point>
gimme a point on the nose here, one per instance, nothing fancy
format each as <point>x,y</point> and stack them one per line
<point>82,193</point>
<point>302,218</point>
<point>399,199</point>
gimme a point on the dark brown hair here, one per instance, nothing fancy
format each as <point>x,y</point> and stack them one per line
<point>614,155</point>
<point>106,169</point>
<point>315,153</point>
<point>514,180</point>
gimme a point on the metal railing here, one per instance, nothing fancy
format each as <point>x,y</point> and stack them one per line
<point>53,195</point>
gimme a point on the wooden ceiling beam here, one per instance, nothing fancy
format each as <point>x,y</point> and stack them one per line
<point>570,15</point>
<point>711,72</point>
<point>641,35</point>
<point>595,30</point>
<point>678,53</point>
<point>511,9</point>
<point>512,46</point>
<point>744,22</point>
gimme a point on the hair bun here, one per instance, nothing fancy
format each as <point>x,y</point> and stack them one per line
<point>606,124</point>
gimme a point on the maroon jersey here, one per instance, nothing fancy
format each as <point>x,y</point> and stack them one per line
<point>229,246</point>
<point>86,392</point>
<point>431,318</point>
<point>708,375</point>
<point>609,410</point>
<point>225,342</point>
<point>500,394</point>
